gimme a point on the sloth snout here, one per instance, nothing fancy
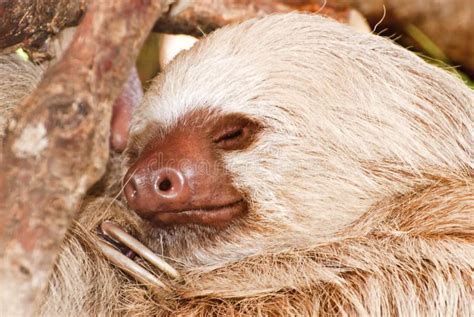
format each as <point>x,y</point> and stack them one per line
<point>151,190</point>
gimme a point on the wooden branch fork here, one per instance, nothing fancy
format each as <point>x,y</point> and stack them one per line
<point>29,23</point>
<point>56,144</point>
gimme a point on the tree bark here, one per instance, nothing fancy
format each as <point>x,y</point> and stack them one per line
<point>29,23</point>
<point>56,145</point>
<point>199,17</point>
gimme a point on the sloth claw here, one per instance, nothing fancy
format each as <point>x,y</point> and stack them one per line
<point>113,231</point>
<point>129,266</point>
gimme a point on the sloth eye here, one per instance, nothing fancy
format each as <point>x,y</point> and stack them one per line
<point>231,139</point>
<point>234,133</point>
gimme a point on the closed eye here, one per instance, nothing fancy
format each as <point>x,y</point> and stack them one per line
<point>233,134</point>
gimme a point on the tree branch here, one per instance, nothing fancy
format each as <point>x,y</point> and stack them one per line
<point>57,143</point>
<point>198,17</point>
<point>28,23</point>
<point>45,18</point>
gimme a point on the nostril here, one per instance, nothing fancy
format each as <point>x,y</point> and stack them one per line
<point>165,185</point>
<point>169,183</point>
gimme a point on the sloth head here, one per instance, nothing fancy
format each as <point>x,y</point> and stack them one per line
<point>284,129</point>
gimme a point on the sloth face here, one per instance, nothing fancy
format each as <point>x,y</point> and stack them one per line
<point>294,136</point>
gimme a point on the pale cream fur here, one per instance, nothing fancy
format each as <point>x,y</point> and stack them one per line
<point>360,185</point>
<point>17,79</point>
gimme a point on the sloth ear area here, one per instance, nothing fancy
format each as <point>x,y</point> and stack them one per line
<point>234,132</point>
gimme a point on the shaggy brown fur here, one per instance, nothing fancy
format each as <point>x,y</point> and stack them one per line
<point>360,186</point>
<point>411,255</point>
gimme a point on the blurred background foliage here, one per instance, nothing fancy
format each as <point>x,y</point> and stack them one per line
<point>434,55</point>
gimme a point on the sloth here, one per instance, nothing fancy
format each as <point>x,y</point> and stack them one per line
<point>287,165</point>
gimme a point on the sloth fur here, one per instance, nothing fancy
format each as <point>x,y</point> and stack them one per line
<point>361,185</point>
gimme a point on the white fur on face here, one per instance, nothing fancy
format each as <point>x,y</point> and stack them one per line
<point>337,106</point>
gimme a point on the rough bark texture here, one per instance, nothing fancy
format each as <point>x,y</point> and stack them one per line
<point>30,22</point>
<point>198,17</point>
<point>57,144</point>
<point>448,23</point>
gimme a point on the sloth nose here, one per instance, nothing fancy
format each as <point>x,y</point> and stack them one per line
<point>151,190</point>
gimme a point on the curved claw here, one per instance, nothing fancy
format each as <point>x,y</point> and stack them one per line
<point>129,266</point>
<point>114,231</point>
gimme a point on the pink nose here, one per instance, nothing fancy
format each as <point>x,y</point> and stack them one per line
<point>149,191</point>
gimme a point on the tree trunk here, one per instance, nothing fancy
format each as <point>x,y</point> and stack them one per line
<point>56,145</point>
